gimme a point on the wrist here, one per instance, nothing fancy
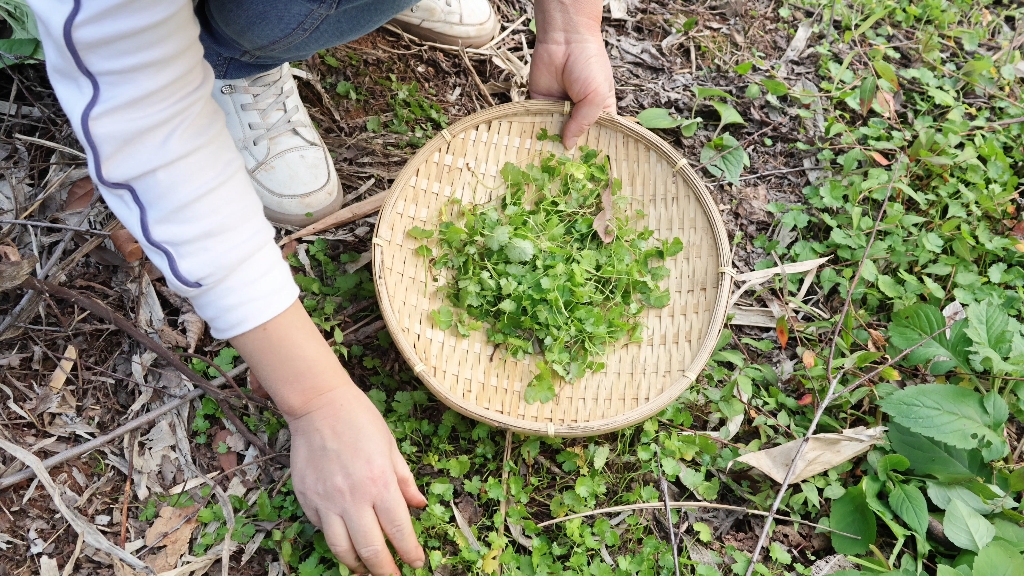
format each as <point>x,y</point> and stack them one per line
<point>563,21</point>
<point>293,361</point>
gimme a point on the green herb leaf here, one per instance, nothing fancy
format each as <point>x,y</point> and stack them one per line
<point>908,503</point>
<point>673,248</point>
<point>966,528</point>
<point>918,323</point>
<point>542,387</point>
<point>443,317</point>
<point>654,118</point>
<point>519,249</point>
<point>775,87</point>
<point>703,92</point>
<point>851,514</point>
<point>998,559</point>
<point>951,414</point>
<point>421,233</point>
<point>728,114</point>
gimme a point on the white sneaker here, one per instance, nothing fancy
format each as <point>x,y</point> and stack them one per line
<point>290,167</point>
<point>470,23</point>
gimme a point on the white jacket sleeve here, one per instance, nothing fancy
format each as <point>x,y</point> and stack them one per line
<point>131,77</point>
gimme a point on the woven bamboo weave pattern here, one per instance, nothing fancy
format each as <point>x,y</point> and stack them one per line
<point>640,379</point>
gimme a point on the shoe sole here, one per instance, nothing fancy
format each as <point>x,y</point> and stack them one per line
<point>302,220</point>
<point>441,38</point>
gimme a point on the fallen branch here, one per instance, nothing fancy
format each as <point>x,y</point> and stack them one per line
<point>476,78</point>
<point>347,214</point>
<point>56,226</point>
<point>685,505</point>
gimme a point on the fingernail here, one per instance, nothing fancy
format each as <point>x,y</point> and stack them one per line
<point>417,564</point>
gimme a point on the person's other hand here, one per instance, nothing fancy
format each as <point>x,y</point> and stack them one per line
<point>348,473</point>
<point>570,62</point>
<point>354,484</point>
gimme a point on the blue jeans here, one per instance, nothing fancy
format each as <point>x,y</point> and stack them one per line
<point>246,37</point>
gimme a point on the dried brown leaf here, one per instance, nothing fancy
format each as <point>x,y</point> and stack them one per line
<point>126,244</point>
<point>80,195</point>
<point>824,451</point>
<point>194,328</point>
<point>603,221</point>
<point>809,359</point>
<point>227,460</point>
<point>171,536</point>
<point>12,274</point>
<point>877,339</point>
<point>10,252</point>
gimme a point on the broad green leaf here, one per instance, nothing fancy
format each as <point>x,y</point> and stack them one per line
<point>420,233</point>
<point>908,503</point>
<point>943,570</point>
<point>443,317</point>
<point>872,487</point>
<point>744,68</point>
<point>775,87</point>
<point>966,528</point>
<point>942,495</point>
<point>753,91</point>
<point>1009,531</point>
<point>703,92</point>
<point>542,387</point>
<point>728,114</point>
<point>992,330</point>
<point>997,409</point>
<point>917,323</point>
<point>519,249</point>
<point>499,237</point>
<point>689,127</point>
<point>601,456</point>
<point>1017,480</point>
<point>725,157</point>
<point>942,97</point>
<point>889,462</point>
<point>654,118</point>
<point>998,559</point>
<point>851,514</point>
<point>866,94</point>
<point>673,248</point>
<point>886,72</point>
<point>950,414</point>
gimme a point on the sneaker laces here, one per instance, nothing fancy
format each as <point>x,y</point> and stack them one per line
<point>270,98</point>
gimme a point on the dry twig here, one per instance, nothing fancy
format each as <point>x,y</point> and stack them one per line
<point>830,395</point>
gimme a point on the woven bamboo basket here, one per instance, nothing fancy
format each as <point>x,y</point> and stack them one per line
<point>640,379</point>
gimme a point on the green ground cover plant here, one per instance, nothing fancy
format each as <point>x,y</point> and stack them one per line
<point>554,265</point>
<point>921,153</point>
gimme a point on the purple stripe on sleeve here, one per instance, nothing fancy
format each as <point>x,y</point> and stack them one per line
<point>95,155</point>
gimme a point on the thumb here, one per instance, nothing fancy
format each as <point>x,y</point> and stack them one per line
<point>584,114</point>
<point>407,482</point>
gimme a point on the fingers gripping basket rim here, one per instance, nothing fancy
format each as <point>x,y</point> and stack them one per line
<point>392,248</point>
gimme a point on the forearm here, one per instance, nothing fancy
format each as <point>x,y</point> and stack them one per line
<point>293,361</point>
<point>559,19</point>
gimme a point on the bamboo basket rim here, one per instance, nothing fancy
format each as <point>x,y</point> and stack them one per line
<point>654,404</point>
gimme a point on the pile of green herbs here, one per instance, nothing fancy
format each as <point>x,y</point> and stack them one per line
<point>533,267</point>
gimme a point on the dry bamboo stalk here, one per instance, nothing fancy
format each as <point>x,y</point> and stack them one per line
<point>344,216</point>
